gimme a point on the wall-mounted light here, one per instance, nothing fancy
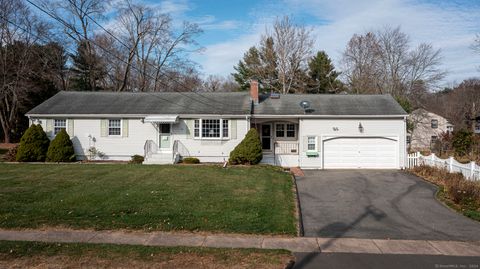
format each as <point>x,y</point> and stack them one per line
<point>360,127</point>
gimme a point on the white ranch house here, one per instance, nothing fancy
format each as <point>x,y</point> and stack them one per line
<point>334,132</point>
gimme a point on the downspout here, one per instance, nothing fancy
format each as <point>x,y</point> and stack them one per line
<point>405,143</point>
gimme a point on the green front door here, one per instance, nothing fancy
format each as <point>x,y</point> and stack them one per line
<point>164,138</point>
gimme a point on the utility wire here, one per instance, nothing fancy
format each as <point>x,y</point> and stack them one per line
<point>53,41</point>
<point>126,46</point>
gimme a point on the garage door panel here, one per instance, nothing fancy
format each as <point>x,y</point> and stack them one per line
<point>360,153</point>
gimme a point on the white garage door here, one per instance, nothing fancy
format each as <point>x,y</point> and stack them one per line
<point>365,152</point>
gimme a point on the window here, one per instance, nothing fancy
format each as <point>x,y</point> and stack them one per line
<point>433,141</point>
<point>311,143</point>
<point>196,128</point>
<point>280,130</point>
<point>409,139</point>
<point>290,130</point>
<point>225,128</point>
<point>434,124</point>
<point>58,125</point>
<point>211,128</point>
<point>114,127</point>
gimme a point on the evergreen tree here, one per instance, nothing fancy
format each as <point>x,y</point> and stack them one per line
<point>33,145</point>
<point>87,69</point>
<point>322,75</point>
<point>246,68</point>
<point>61,148</point>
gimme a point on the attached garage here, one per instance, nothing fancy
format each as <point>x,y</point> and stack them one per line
<point>361,153</point>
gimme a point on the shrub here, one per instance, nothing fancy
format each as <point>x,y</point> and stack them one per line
<point>249,151</point>
<point>191,160</point>
<point>137,159</point>
<point>462,142</point>
<point>33,145</point>
<point>61,148</point>
<point>458,189</point>
<point>11,154</point>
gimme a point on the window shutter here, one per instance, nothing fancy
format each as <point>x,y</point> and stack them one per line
<point>49,127</point>
<point>124,127</point>
<point>103,128</point>
<point>70,127</point>
<point>189,129</point>
<point>305,143</point>
<point>233,129</point>
<point>318,143</point>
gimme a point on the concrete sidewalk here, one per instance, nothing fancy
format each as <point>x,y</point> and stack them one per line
<point>294,244</point>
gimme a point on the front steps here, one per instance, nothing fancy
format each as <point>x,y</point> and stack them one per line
<point>159,158</point>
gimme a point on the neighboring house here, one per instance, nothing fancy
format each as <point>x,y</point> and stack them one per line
<point>428,127</point>
<point>334,131</point>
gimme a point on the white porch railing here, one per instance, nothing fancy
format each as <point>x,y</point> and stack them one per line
<point>286,148</point>
<point>150,148</point>
<point>469,170</point>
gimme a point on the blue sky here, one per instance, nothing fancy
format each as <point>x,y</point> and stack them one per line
<point>231,27</point>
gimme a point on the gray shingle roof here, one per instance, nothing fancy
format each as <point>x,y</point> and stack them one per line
<point>330,104</point>
<point>76,103</point>
<point>237,103</point>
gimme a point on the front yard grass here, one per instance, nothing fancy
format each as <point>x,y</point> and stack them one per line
<point>256,199</point>
<point>32,254</point>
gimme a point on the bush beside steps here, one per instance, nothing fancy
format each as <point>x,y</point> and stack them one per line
<point>190,160</point>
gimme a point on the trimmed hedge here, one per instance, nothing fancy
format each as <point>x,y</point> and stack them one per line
<point>61,148</point>
<point>249,151</point>
<point>191,160</point>
<point>33,145</point>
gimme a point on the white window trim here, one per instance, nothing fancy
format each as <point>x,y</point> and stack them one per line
<point>108,128</point>
<point>285,130</point>
<point>200,127</point>
<point>315,143</point>
<point>66,126</point>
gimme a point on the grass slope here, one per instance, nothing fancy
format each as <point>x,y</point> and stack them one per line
<point>33,254</point>
<point>257,199</point>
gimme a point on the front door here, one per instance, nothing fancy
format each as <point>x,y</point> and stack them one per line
<point>267,137</point>
<point>164,139</point>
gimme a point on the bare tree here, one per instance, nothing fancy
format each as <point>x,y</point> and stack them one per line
<point>78,17</point>
<point>21,59</point>
<point>384,62</point>
<point>293,46</point>
<point>216,83</point>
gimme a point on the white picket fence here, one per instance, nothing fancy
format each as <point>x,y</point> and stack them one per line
<point>469,170</point>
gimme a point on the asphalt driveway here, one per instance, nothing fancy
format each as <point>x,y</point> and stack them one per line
<point>377,204</point>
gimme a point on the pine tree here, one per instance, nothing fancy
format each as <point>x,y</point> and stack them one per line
<point>87,69</point>
<point>247,68</point>
<point>322,74</point>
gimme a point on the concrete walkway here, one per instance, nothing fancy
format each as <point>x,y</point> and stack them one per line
<point>294,244</point>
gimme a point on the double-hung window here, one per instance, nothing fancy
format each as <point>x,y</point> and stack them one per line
<point>434,124</point>
<point>59,125</point>
<point>114,127</point>
<point>311,143</point>
<point>285,130</point>
<point>211,128</point>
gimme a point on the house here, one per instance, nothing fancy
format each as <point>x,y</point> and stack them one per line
<point>310,131</point>
<point>427,128</point>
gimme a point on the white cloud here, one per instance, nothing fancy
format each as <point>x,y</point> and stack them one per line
<point>448,27</point>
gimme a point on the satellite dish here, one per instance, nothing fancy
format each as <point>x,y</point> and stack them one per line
<point>305,104</point>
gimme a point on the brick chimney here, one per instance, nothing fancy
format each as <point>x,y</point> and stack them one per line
<point>254,90</point>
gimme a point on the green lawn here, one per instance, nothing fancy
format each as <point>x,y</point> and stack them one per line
<point>31,254</point>
<point>257,199</point>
